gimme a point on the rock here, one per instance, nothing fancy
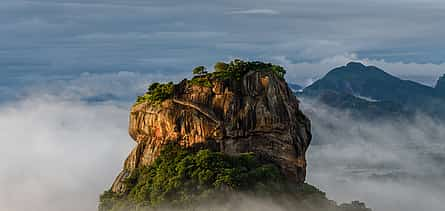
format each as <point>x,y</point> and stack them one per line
<point>258,113</point>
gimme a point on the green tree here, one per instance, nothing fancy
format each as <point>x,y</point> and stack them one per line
<point>221,66</point>
<point>200,70</point>
<point>153,87</point>
<point>157,93</point>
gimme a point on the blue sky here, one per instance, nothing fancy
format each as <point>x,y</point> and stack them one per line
<point>45,40</point>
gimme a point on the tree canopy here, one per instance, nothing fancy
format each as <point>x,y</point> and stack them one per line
<point>200,70</point>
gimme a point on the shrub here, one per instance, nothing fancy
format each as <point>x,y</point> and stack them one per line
<point>220,67</point>
<point>235,70</point>
<point>200,70</point>
<point>201,81</point>
<point>157,93</point>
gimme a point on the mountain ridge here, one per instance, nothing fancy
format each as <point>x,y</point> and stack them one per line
<point>440,86</point>
<point>360,82</point>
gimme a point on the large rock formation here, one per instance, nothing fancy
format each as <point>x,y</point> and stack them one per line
<point>257,113</point>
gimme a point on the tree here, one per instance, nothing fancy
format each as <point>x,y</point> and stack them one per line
<point>200,70</point>
<point>280,71</point>
<point>221,66</point>
<point>153,87</point>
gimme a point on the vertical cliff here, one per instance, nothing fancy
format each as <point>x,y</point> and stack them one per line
<point>255,112</point>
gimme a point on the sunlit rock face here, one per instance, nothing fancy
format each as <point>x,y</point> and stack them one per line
<point>256,114</point>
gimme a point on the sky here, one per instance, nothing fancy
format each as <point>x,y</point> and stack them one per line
<point>56,39</point>
<point>71,69</point>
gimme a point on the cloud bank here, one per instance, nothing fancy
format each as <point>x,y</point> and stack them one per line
<point>255,12</point>
<point>392,165</point>
<point>64,141</point>
<point>59,155</point>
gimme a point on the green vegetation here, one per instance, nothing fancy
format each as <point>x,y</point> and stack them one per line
<point>200,70</point>
<point>235,70</point>
<point>220,67</point>
<point>201,81</point>
<point>182,178</point>
<point>157,93</point>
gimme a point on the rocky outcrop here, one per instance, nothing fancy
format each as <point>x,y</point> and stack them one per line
<point>256,114</point>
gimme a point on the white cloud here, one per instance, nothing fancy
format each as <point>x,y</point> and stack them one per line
<point>120,86</point>
<point>59,152</point>
<point>59,155</point>
<point>385,164</point>
<point>255,12</point>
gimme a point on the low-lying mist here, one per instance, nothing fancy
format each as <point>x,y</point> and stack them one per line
<point>390,164</point>
<point>59,152</point>
<point>62,142</point>
<point>59,155</point>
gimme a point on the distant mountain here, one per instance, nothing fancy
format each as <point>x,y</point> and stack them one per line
<point>370,82</point>
<point>295,87</point>
<point>361,107</point>
<point>440,87</point>
<point>371,90</point>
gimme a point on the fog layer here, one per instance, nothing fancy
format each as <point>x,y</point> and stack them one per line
<point>390,164</point>
<point>62,143</point>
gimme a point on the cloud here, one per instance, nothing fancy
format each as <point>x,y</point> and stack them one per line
<point>64,140</point>
<point>59,151</point>
<point>59,155</point>
<point>255,12</point>
<point>385,163</point>
<point>47,38</point>
<point>120,87</point>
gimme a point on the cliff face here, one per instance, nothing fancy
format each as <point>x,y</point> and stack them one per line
<point>256,114</point>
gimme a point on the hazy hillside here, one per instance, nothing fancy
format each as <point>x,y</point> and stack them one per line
<point>370,91</point>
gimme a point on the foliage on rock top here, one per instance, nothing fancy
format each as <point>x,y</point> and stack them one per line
<point>234,70</point>
<point>157,93</point>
